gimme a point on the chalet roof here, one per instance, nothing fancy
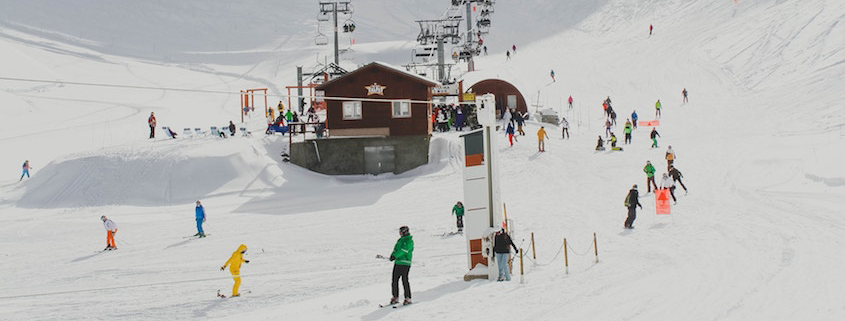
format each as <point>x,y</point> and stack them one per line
<point>376,64</point>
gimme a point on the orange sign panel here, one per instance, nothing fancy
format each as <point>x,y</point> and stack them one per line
<point>661,197</point>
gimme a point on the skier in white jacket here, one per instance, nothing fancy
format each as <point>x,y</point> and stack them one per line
<point>668,182</point>
<point>111,230</point>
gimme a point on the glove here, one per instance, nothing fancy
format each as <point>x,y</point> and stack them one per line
<point>246,261</point>
<point>222,268</point>
<point>392,257</point>
<point>641,207</point>
<point>517,251</point>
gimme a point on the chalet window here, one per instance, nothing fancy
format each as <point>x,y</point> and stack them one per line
<point>351,110</point>
<point>401,109</point>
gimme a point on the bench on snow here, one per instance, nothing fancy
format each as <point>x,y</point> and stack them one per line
<point>272,129</point>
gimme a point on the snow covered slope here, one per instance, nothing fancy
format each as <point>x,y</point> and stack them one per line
<point>758,144</point>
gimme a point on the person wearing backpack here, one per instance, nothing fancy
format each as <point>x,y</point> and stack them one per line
<point>26,168</point>
<point>670,157</point>
<point>628,129</point>
<point>632,201</point>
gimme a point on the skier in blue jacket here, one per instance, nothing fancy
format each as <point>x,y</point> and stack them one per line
<point>634,118</point>
<point>200,219</point>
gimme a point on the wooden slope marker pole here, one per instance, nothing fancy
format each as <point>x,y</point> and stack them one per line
<point>521,269</point>
<point>565,255</point>
<point>596,247</point>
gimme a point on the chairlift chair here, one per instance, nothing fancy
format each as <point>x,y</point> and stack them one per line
<point>321,40</point>
<point>322,17</point>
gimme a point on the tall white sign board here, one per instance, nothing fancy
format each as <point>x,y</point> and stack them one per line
<point>482,201</point>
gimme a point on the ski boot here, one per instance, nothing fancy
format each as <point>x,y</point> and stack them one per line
<point>394,301</point>
<point>202,235</point>
<point>407,301</point>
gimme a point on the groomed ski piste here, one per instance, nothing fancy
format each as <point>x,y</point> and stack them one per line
<point>760,144</point>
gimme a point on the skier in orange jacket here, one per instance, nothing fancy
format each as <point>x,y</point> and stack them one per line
<point>234,264</point>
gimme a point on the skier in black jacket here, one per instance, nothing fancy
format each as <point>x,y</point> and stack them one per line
<point>654,134</point>
<point>676,175</point>
<point>631,202</point>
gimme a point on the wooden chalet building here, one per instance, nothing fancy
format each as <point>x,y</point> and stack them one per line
<point>368,136</point>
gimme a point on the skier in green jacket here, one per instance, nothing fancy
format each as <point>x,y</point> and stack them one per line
<point>649,172</point>
<point>657,106</point>
<point>402,254</point>
<point>458,210</point>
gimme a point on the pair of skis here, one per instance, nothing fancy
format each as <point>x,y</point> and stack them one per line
<point>194,236</point>
<point>397,304</point>
<point>394,305</point>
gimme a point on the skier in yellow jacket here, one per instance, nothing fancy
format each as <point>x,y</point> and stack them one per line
<point>234,264</point>
<point>541,136</point>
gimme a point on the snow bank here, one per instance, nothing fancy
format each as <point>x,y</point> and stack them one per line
<point>165,173</point>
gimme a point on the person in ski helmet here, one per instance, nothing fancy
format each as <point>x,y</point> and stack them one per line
<point>200,216</point>
<point>501,247</point>
<point>458,210</point>
<point>632,201</point>
<point>402,255</point>
<point>234,264</point>
<point>111,230</point>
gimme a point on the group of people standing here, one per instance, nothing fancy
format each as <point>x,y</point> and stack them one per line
<point>445,117</point>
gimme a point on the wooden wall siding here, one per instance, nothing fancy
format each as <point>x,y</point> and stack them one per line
<point>379,114</point>
<point>501,89</point>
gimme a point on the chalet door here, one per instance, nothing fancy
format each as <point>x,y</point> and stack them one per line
<point>379,159</point>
